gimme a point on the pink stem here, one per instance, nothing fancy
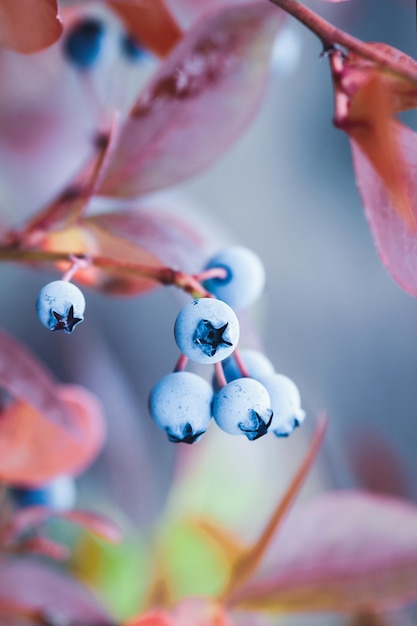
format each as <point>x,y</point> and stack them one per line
<point>239,362</point>
<point>221,378</point>
<point>212,272</point>
<point>330,35</point>
<point>181,364</point>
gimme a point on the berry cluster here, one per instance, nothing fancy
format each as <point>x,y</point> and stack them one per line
<point>246,397</point>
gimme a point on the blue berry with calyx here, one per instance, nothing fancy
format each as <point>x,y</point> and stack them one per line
<point>60,306</point>
<point>83,43</point>
<point>180,404</point>
<point>286,404</point>
<point>206,330</point>
<point>244,278</point>
<point>58,494</point>
<point>243,407</point>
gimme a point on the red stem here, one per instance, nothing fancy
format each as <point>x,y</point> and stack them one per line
<point>330,35</point>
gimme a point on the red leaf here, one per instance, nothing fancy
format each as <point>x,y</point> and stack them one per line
<point>200,101</point>
<point>345,551</point>
<point>150,23</point>
<point>33,586</point>
<point>33,450</point>
<point>29,25</point>
<point>394,237</point>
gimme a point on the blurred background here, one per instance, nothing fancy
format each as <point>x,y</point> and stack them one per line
<point>331,317</point>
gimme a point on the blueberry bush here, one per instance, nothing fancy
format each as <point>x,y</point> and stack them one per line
<point>144,465</point>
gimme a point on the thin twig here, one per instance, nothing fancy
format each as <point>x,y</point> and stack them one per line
<point>330,35</point>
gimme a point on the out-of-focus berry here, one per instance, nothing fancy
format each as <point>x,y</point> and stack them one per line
<point>59,494</point>
<point>286,404</point>
<point>83,43</point>
<point>245,277</point>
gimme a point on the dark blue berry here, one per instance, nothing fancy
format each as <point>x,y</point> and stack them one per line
<point>83,43</point>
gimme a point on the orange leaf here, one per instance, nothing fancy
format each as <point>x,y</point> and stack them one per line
<point>150,23</point>
<point>29,25</point>
<point>34,450</point>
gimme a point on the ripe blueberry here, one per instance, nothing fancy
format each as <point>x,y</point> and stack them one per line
<point>83,43</point>
<point>60,306</point>
<point>245,278</point>
<point>180,404</point>
<point>58,494</point>
<point>286,404</point>
<point>206,330</point>
<point>243,407</point>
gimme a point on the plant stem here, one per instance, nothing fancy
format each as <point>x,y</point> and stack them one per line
<point>330,35</point>
<point>161,274</point>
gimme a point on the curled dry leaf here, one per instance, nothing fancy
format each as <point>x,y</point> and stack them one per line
<point>345,551</point>
<point>33,450</point>
<point>29,25</point>
<point>199,102</point>
<point>31,586</point>
<point>150,23</point>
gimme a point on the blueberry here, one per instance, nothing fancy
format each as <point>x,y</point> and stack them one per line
<point>286,404</point>
<point>83,43</point>
<point>243,407</point>
<point>58,494</point>
<point>256,363</point>
<point>245,278</point>
<point>180,404</point>
<point>131,48</point>
<point>206,330</point>
<point>60,306</point>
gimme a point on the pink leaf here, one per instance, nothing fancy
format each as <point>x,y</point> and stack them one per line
<point>29,25</point>
<point>345,551</point>
<point>201,100</point>
<point>395,238</point>
<point>33,586</point>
